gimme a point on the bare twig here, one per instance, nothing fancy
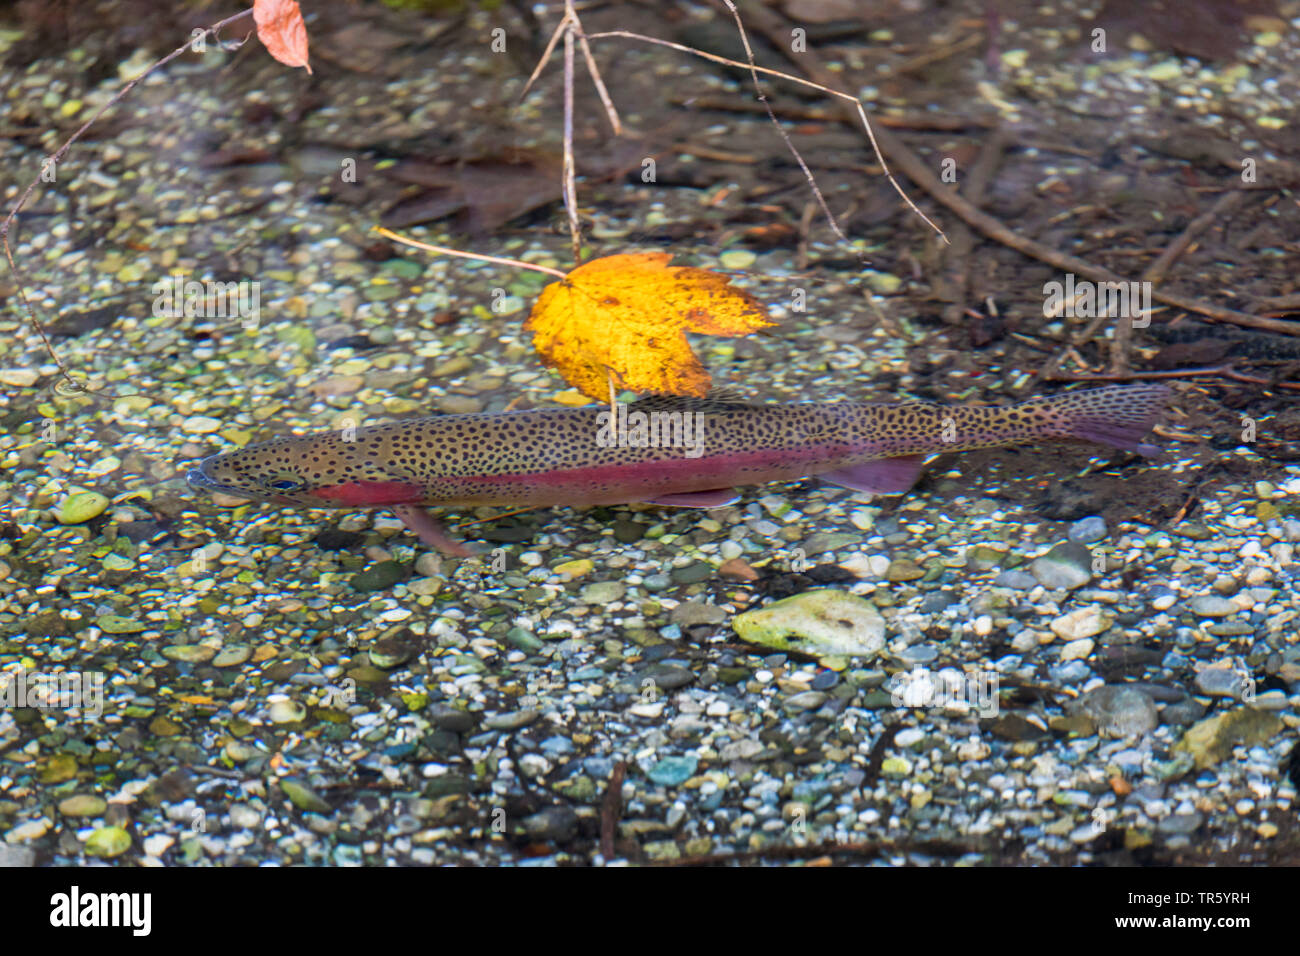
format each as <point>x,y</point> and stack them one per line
<point>444,250</point>
<point>828,90</point>
<point>917,170</point>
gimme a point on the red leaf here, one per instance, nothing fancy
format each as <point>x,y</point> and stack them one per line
<point>282,31</point>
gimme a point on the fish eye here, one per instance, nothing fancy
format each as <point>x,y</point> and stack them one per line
<point>283,484</point>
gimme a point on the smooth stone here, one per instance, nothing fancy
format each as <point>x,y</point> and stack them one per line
<point>1211,740</point>
<point>1221,681</point>
<point>665,676</point>
<point>693,573</point>
<point>286,712</point>
<point>603,592</point>
<point>805,700</point>
<point>450,718</point>
<point>112,624</point>
<point>108,842</point>
<point>19,377</point>
<point>1119,710</point>
<point>232,655</point>
<point>1015,580</point>
<point>1067,566</point>
<point>189,653</point>
<point>303,796</point>
<point>82,805</point>
<point>1183,712</point>
<point>918,654</point>
<point>1209,605</point>
<point>692,613</point>
<point>511,721</point>
<point>673,771</point>
<point>16,856</point>
<point>1087,530</point>
<point>903,569</point>
<point>1081,623</point>
<point>82,506</point>
<point>936,601</point>
<point>820,623</point>
<point>1077,650</point>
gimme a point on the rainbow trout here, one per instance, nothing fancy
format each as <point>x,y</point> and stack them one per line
<point>668,451</point>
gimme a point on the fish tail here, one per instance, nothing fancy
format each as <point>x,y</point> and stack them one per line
<point>1119,415</point>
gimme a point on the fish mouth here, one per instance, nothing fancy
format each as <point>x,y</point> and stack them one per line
<point>197,477</point>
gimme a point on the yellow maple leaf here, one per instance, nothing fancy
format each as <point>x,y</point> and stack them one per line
<point>629,314</point>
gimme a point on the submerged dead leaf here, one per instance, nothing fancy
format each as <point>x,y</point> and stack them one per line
<point>629,314</point>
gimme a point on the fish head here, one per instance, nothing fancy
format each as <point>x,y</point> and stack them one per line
<point>319,471</point>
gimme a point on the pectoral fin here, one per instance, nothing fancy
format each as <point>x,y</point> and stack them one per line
<point>887,476</point>
<point>698,499</point>
<point>429,530</point>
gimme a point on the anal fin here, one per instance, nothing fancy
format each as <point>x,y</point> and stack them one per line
<point>886,476</point>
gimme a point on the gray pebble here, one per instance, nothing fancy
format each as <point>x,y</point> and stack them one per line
<point>1088,530</point>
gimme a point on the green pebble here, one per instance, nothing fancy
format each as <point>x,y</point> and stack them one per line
<point>58,769</point>
<point>189,653</point>
<point>82,507</point>
<point>108,842</point>
<point>304,797</point>
<point>82,805</point>
<point>603,592</point>
<point>112,624</point>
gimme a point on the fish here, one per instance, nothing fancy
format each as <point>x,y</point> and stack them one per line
<point>681,452</point>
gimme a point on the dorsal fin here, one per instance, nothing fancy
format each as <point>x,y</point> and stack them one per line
<point>728,398</point>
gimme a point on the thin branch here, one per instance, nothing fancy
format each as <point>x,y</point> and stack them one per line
<point>829,91</point>
<point>444,250</point>
<point>570,184</point>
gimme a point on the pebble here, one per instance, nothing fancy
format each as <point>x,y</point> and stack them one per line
<point>1211,740</point>
<point>903,569</point>
<point>673,771</point>
<point>302,796</point>
<point>1208,605</point>
<point>603,592</point>
<point>82,805</point>
<point>1221,681</point>
<point>1119,710</point>
<point>108,842</point>
<point>1087,530</point>
<point>511,720</point>
<point>821,622</point>
<point>232,655</point>
<point>1016,580</point>
<point>1076,650</point>
<point>19,377</point>
<point>286,711</point>
<point>692,613</point>
<point>1081,623</point>
<point>1066,567</point>
<point>82,507</point>
<point>189,653</point>
<point>200,425</point>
